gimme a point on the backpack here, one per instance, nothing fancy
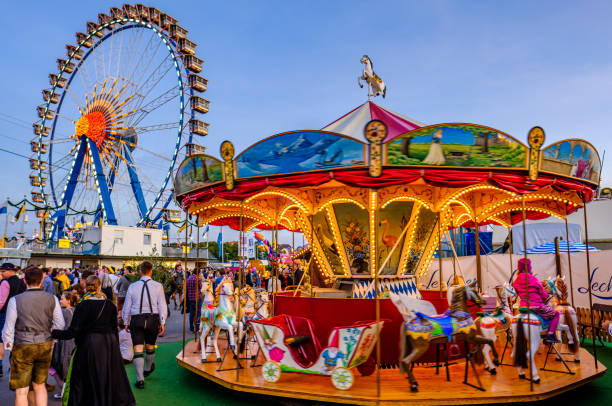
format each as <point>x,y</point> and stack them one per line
<point>58,287</point>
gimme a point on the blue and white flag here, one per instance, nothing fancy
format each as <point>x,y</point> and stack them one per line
<point>4,207</point>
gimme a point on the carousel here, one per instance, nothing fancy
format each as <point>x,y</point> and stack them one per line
<point>376,194</point>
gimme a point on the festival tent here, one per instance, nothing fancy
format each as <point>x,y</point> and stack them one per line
<point>353,122</point>
<point>549,248</point>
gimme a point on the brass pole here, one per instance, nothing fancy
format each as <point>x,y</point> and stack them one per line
<point>440,253</point>
<point>185,284</point>
<point>524,212</point>
<point>478,263</point>
<point>589,278</point>
<point>197,269</point>
<point>569,258</point>
<point>374,265</point>
<point>239,305</point>
<point>510,249</point>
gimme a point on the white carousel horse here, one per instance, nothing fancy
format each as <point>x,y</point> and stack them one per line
<point>221,315</point>
<point>568,320</point>
<point>492,324</point>
<point>524,326</point>
<point>208,300</point>
<point>376,86</point>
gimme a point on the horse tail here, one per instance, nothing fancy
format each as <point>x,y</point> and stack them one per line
<point>520,350</point>
<point>572,330</point>
<point>405,347</point>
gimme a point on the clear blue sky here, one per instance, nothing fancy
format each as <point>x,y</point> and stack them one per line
<point>282,65</point>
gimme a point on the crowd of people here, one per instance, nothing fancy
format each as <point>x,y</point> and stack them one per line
<point>81,326</point>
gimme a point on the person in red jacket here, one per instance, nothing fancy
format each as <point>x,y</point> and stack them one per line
<point>532,289</point>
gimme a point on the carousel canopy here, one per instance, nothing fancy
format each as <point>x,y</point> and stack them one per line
<point>382,200</point>
<point>353,122</point>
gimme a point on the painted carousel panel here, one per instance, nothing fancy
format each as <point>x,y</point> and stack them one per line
<point>457,145</point>
<point>300,151</point>
<point>197,171</point>
<point>576,158</point>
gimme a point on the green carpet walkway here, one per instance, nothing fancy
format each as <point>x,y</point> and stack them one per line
<point>171,385</point>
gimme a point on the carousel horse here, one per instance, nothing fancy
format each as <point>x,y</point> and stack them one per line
<point>208,300</point>
<point>568,320</point>
<point>419,330</point>
<point>221,315</point>
<point>254,304</point>
<point>491,324</point>
<point>374,81</point>
<point>528,325</point>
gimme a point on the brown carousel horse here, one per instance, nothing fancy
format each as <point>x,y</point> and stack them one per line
<point>421,330</point>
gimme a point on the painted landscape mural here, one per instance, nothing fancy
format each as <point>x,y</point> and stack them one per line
<point>197,171</point>
<point>462,145</point>
<point>301,151</point>
<point>393,219</point>
<point>353,224</point>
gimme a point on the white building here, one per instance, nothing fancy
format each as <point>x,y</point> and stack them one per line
<point>125,241</point>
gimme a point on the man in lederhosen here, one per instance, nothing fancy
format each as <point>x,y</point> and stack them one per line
<point>145,312</point>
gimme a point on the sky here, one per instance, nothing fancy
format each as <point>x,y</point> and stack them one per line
<point>276,66</point>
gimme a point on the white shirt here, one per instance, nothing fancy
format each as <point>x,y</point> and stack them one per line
<point>274,285</point>
<point>125,345</point>
<point>8,332</point>
<point>131,306</point>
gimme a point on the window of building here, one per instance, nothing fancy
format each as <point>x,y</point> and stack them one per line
<point>147,239</point>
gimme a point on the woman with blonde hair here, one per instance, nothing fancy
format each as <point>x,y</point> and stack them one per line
<point>96,376</point>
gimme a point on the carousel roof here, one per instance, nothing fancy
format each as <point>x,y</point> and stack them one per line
<point>353,122</point>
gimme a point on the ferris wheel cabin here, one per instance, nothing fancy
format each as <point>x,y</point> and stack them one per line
<point>50,97</point>
<point>84,40</point>
<point>37,164</point>
<point>130,11</point>
<point>36,180</point>
<point>198,83</point>
<point>167,21</point>
<point>37,197</point>
<point>193,63</point>
<point>198,127</point>
<point>105,19</point>
<point>199,104</point>
<point>92,29</point>
<point>44,112</point>
<point>55,80</point>
<point>73,52</point>
<point>64,65</point>
<point>36,146</point>
<point>40,130</point>
<point>117,14</point>
<point>186,47</point>
<point>177,32</point>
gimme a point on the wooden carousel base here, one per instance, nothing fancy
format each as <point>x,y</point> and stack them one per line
<point>394,389</point>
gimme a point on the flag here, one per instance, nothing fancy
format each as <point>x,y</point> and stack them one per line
<point>206,230</point>
<point>4,207</point>
<point>3,241</point>
<point>166,227</point>
<point>82,219</point>
<point>182,227</point>
<point>160,225</point>
<point>220,243</point>
<point>101,221</point>
<point>20,212</point>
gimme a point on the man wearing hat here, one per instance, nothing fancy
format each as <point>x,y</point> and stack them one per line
<point>10,286</point>
<point>531,289</point>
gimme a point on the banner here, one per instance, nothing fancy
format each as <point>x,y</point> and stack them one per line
<point>500,268</point>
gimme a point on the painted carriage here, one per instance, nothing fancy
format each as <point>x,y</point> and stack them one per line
<point>289,344</point>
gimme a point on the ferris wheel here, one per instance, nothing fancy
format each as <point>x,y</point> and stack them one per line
<point>113,123</point>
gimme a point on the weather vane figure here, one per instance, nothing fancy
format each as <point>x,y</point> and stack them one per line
<point>376,86</point>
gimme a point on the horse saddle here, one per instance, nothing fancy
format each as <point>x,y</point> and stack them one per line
<point>540,320</point>
<point>443,324</point>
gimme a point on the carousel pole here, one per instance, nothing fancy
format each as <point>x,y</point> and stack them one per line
<point>526,271</point>
<point>197,273</point>
<point>589,277</point>
<point>452,244</point>
<point>185,284</point>
<point>292,255</point>
<point>569,258</point>
<point>311,244</point>
<point>440,253</point>
<point>239,304</point>
<point>373,262</point>
<point>478,259</point>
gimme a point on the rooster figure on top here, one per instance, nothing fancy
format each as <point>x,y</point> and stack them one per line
<point>376,86</point>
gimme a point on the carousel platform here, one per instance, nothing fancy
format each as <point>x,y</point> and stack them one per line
<point>504,387</point>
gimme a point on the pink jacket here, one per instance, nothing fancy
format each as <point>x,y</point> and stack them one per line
<point>537,294</point>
